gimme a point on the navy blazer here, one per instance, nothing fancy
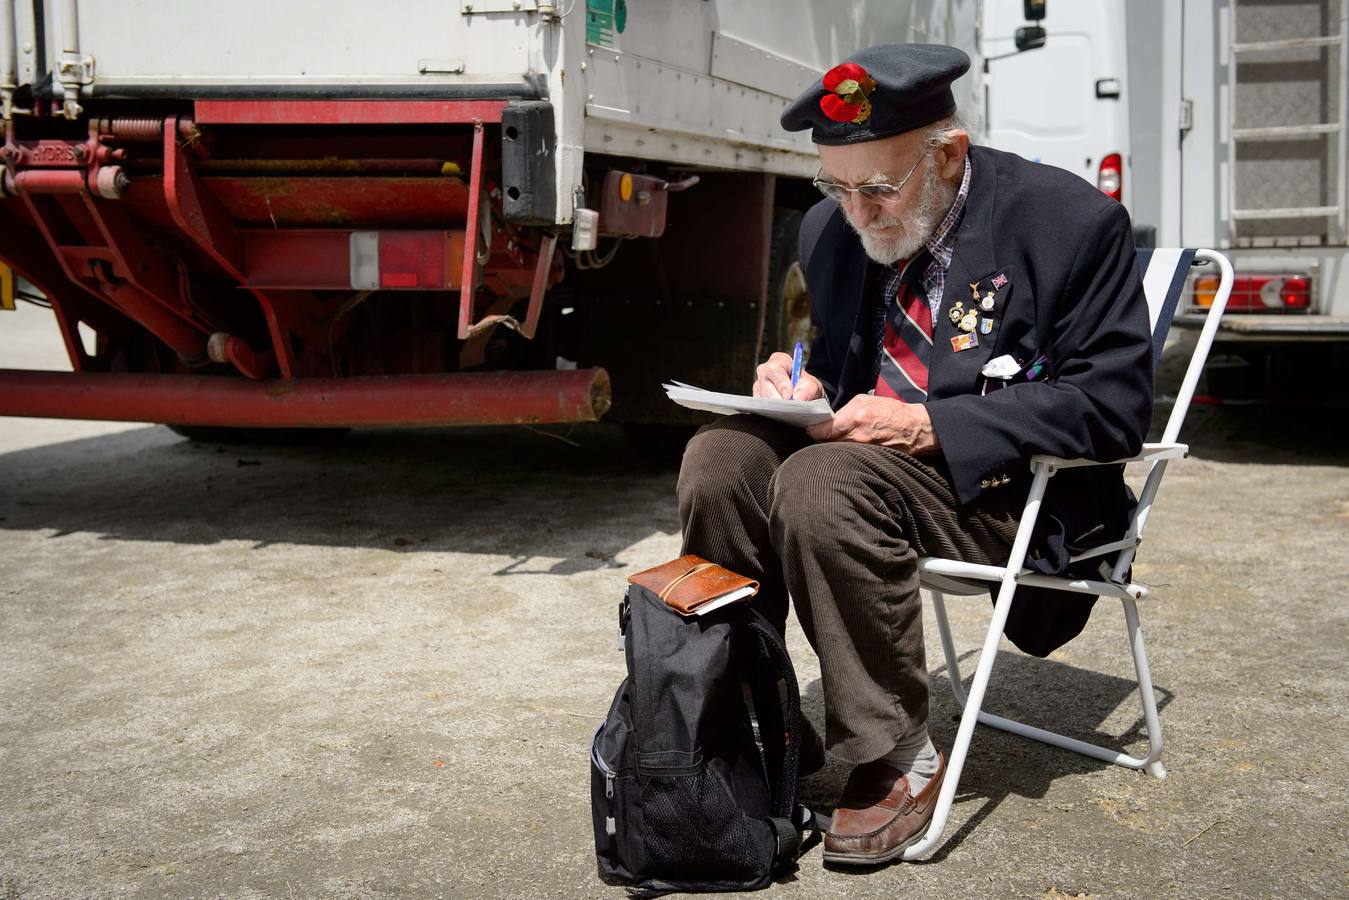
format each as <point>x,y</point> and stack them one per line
<point>1070,294</point>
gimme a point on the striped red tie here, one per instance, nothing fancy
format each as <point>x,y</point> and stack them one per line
<point>907,345</point>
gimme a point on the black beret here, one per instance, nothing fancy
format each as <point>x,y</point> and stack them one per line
<point>879,92</point>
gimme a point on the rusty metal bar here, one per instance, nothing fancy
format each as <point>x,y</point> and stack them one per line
<point>474,398</point>
<point>346,112</point>
<point>278,168</point>
<point>51,181</point>
<point>468,284</point>
<point>542,267</point>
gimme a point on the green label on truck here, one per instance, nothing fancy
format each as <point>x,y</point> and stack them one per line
<point>603,19</point>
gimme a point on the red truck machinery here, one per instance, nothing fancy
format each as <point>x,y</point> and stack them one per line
<point>503,211</point>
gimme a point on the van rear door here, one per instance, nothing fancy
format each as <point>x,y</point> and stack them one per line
<point>1063,104</point>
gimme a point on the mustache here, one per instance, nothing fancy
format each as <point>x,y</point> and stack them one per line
<point>882,222</point>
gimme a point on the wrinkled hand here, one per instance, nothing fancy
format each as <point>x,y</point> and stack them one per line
<point>867,419</point>
<point>774,379</point>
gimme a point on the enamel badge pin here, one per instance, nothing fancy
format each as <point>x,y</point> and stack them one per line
<point>999,281</point>
<point>964,342</point>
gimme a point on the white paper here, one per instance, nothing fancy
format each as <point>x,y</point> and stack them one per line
<point>1003,367</point>
<point>791,412</point>
<point>724,600</point>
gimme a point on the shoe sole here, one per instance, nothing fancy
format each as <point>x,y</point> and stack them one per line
<point>876,859</point>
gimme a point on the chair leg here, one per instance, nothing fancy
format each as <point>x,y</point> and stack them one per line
<point>955,763</point>
<point>948,647</point>
<point>1150,763</point>
<point>970,715</point>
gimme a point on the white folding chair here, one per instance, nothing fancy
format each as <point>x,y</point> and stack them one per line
<point>1164,277</point>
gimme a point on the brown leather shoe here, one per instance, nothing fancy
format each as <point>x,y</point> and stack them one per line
<point>877,818</point>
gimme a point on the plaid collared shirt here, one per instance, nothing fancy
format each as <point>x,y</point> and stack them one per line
<point>941,245</point>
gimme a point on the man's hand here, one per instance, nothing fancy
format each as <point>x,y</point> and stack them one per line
<point>774,379</point>
<point>867,419</point>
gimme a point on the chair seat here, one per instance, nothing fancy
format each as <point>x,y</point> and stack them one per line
<point>962,579</point>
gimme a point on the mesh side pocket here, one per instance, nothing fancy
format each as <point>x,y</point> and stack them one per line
<point>696,832</point>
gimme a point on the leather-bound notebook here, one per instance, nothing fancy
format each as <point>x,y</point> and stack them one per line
<point>692,586</point>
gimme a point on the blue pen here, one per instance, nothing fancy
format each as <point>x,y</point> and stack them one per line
<point>796,366</point>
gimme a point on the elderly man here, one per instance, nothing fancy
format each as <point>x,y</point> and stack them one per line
<point>973,309</point>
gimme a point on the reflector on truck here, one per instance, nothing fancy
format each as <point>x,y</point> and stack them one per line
<point>6,287</point>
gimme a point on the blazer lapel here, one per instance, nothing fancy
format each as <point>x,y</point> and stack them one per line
<point>848,318</point>
<point>951,371</point>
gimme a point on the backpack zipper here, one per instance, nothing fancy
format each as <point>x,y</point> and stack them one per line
<point>747,697</point>
<point>609,773</point>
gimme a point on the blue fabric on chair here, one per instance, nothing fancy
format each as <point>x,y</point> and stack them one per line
<point>1168,269</point>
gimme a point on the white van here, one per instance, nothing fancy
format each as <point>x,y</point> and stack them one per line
<point>1065,103</point>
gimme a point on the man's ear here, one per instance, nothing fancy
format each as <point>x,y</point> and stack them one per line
<point>951,157</point>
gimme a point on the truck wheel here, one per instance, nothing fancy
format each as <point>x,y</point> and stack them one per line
<point>279,437</point>
<point>787,319</point>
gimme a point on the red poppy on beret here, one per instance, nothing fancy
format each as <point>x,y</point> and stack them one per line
<point>850,85</point>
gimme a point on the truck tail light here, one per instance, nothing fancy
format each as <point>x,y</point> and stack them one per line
<point>1110,178</point>
<point>405,260</point>
<point>1258,293</point>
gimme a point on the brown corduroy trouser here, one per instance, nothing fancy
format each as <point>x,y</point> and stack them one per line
<point>839,527</point>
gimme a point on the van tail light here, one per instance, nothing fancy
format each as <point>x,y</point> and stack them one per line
<point>1258,293</point>
<point>1110,179</point>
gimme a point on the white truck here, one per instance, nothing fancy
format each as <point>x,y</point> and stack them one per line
<point>1067,103</point>
<point>278,215</point>
<point>1239,115</point>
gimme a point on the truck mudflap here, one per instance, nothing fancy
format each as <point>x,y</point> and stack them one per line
<point>247,238</point>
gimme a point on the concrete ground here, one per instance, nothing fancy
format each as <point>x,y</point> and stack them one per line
<point>372,669</point>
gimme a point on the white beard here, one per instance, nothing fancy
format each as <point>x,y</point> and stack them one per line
<point>916,225</point>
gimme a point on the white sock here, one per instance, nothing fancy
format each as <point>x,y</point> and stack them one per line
<point>916,757</point>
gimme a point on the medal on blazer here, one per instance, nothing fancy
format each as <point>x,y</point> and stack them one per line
<point>986,304</point>
<point>957,312</point>
<point>985,325</point>
<point>969,321</point>
<point>964,342</point>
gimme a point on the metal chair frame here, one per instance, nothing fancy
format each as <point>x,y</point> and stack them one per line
<point>948,576</point>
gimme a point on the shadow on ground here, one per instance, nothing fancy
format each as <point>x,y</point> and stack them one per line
<point>1001,765</point>
<point>404,491</point>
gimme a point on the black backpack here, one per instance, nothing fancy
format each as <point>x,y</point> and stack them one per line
<point>693,771</point>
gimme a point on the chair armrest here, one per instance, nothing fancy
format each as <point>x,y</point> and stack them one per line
<point>1150,453</point>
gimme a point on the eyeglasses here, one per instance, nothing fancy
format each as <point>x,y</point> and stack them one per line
<point>878,192</point>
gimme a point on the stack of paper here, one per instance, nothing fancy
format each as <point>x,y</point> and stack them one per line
<point>791,412</point>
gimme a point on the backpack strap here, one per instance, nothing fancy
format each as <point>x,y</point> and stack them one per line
<point>791,821</point>
<point>776,651</point>
<point>788,841</point>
